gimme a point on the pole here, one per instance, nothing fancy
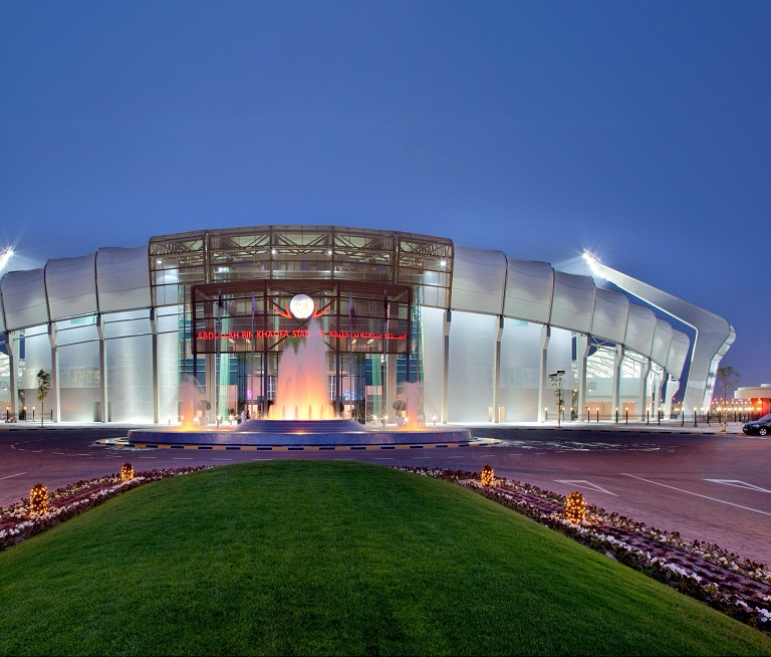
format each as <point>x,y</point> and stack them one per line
<point>383,380</point>
<point>184,334</point>
<point>218,331</point>
<point>351,392</point>
<point>251,377</point>
<point>265,386</point>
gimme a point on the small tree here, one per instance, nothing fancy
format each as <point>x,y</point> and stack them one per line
<point>556,383</point>
<point>43,388</point>
<point>727,377</point>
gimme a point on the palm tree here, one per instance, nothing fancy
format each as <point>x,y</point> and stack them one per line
<point>43,388</point>
<point>727,377</point>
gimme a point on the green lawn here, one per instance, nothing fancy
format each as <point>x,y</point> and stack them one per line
<point>300,557</point>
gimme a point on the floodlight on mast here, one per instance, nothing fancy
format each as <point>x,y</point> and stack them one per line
<point>5,255</point>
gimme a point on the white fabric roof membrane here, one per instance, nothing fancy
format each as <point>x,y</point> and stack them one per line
<point>572,302</point>
<point>71,286</point>
<point>24,298</point>
<point>123,278</point>
<point>484,281</point>
<point>639,329</point>
<point>662,339</point>
<point>611,312</point>
<point>478,280</point>
<point>529,286</point>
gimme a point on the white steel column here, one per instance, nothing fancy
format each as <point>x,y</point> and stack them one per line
<point>582,353</point>
<point>673,385</point>
<point>57,413</point>
<point>497,371</point>
<point>156,388</point>
<point>643,396</point>
<point>617,367</point>
<point>446,365</point>
<point>658,387</point>
<point>12,364</point>
<point>104,397</point>
<point>545,335</point>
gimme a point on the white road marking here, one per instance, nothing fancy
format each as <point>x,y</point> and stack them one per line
<point>383,458</point>
<point>739,484</point>
<point>706,497</point>
<point>18,474</point>
<point>583,483</point>
<point>182,458</point>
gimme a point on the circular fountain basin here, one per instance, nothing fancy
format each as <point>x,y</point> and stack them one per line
<point>300,433</point>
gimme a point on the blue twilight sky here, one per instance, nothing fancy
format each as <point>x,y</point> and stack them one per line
<point>639,130</point>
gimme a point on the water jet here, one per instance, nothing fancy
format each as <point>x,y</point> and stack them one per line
<point>303,415</point>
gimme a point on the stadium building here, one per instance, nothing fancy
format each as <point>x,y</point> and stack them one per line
<point>475,333</point>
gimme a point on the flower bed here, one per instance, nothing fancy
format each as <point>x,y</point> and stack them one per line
<point>738,587</point>
<point>17,522</point>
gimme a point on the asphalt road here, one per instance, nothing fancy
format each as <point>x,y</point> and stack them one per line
<point>709,487</point>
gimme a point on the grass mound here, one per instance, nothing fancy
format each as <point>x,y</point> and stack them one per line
<point>298,557</point>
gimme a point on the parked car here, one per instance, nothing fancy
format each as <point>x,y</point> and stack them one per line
<point>761,426</point>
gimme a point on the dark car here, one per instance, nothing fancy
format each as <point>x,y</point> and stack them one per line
<point>761,426</point>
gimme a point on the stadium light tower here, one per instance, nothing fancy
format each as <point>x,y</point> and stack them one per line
<point>714,335</point>
<point>5,255</point>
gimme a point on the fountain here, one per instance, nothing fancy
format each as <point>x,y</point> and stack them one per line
<point>302,414</point>
<point>301,389</point>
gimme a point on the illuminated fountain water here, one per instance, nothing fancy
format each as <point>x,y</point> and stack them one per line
<point>302,392</point>
<point>191,402</point>
<point>303,414</point>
